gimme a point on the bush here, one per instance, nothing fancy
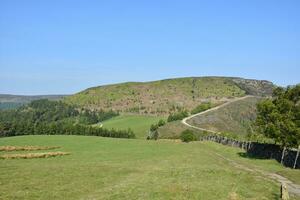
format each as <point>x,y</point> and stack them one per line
<point>188,136</point>
<point>161,123</point>
<point>153,134</point>
<point>202,107</point>
<point>178,116</point>
<point>153,127</point>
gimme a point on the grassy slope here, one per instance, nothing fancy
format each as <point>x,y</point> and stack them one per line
<point>138,123</point>
<point>103,168</point>
<point>157,97</point>
<point>172,130</point>
<point>234,118</point>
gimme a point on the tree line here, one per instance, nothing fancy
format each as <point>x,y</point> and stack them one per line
<point>60,128</point>
<point>56,117</point>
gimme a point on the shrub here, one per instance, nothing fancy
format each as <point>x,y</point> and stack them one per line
<point>153,127</point>
<point>202,107</point>
<point>161,123</point>
<point>153,134</point>
<point>178,116</point>
<point>188,136</point>
<point>229,135</point>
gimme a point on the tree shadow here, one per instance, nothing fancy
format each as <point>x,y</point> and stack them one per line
<point>251,156</point>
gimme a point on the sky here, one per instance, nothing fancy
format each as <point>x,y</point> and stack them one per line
<point>65,46</point>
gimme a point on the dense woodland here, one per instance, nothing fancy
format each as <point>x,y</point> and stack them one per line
<point>55,117</point>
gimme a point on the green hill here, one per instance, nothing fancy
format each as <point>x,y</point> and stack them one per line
<point>234,118</point>
<point>164,96</point>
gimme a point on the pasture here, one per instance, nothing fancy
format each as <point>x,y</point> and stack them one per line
<point>140,124</point>
<point>106,168</point>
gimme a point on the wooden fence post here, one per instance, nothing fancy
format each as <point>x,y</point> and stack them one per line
<point>282,155</point>
<point>297,155</point>
<point>284,192</point>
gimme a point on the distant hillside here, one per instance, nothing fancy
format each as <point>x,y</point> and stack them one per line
<point>162,97</point>
<point>8,101</point>
<point>234,118</point>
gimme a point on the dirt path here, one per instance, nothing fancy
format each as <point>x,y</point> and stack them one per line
<point>292,187</point>
<point>184,121</point>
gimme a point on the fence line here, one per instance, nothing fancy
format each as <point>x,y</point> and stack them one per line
<point>259,150</point>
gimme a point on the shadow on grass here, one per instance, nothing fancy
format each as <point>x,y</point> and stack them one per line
<point>251,156</point>
<point>276,196</point>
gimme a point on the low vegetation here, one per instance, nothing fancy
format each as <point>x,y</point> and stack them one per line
<point>178,116</point>
<point>188,136</point>
<point>202,107</point>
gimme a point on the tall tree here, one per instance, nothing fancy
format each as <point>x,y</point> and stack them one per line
<point>279,118</point>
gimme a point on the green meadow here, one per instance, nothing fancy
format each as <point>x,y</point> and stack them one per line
<point>140,124</point>
<point>105,168</point>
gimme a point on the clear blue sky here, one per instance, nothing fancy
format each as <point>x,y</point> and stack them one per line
<point>59,46</point>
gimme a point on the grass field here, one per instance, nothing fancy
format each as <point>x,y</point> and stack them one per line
<point>104,168</point>
<point>140,124</point>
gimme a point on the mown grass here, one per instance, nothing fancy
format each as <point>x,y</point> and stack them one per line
<point>105,168</point>
<point>140,124</point>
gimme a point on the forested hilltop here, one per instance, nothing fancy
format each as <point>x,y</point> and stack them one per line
<point>56,117</point>
<point>166,96</point>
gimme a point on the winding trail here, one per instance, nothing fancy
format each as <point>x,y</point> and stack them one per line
<point>184,121</point>
<point>292,187</point>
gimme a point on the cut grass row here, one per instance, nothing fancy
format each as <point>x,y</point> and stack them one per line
<point>25,148</point>
<point>29,155</point>
<point>33,155</point>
